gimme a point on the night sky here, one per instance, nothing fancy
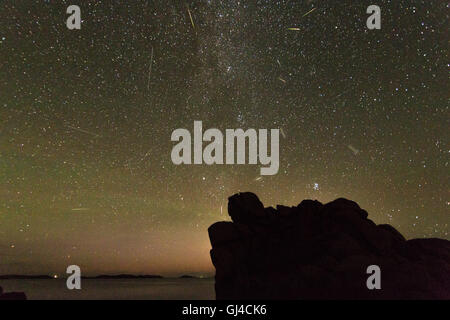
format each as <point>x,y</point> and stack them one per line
<point>86,117</point>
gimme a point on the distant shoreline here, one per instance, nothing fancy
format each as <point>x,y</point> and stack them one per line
<point>102,276</point>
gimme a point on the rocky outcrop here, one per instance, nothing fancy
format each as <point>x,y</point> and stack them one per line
<point>12,295</point>
<point>321,251</point>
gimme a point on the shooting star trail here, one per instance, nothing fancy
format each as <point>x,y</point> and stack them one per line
<point>150,70</point>
<point>343,92</point>
<point>190,17</point>
<point>309,12</point>
<point>353,149</point>
<point>83,131</point>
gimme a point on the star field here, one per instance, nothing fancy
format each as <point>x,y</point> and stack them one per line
<point>86,117</point>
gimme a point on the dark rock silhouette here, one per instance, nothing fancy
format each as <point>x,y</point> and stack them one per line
<point>317,251</point>
<point>12,295</point>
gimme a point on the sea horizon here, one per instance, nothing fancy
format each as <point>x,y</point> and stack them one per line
<point>114,289</point>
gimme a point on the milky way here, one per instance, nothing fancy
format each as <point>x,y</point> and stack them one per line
<point>86,117</point>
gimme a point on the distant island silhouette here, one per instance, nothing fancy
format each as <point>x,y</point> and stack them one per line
<point>20,277</point>
<point>101,276</point>
<point>321,251</point>
<point>186,276</point>
<point>125,276</point>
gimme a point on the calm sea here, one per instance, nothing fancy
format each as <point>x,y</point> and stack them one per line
<point>153,289</point>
